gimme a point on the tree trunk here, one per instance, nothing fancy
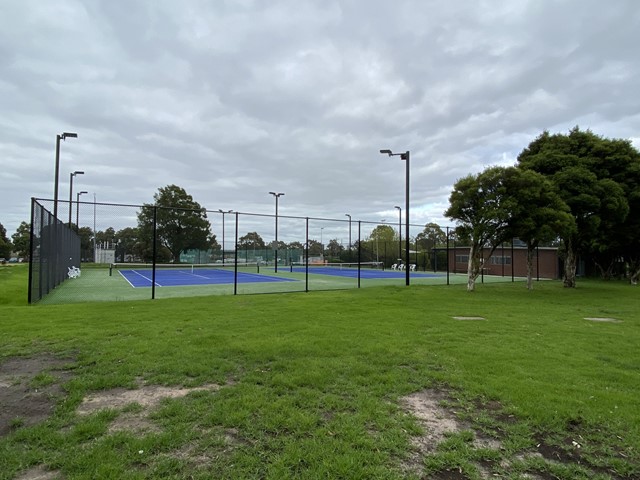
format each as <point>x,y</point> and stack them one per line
<point>634,272</point>
<point>570,264</point>
<point>530,250</point>
<point>473,267</point>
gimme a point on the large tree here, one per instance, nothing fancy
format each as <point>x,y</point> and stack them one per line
<point>538,212</point>
<point>251,240</point>
<point>181,223</point>
<point>126,241</point>
<point>86,243</point>
<point>21,240</point>
<point>588,172</point>
<point>430,237</point>
<point>481,207</point>
<point>5,245</point>
<point>334,248</point>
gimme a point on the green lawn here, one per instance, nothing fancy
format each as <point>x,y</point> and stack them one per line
<point>310,385</point>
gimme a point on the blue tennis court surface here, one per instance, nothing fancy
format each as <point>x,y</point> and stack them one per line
<point>366,273</point>
<point>187,277</point>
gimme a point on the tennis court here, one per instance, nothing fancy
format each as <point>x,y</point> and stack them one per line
<point>141,276</point>
<point>369,270</point>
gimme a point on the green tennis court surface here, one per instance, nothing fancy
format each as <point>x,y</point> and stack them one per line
<point>96,285</point>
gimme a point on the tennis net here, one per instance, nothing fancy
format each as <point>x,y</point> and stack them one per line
<point>185,267</point>
<point>337,266</point>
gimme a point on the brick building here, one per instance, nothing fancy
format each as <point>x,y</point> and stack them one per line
<point>508,261</point>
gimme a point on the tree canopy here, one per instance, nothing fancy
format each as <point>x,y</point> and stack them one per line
<point>482,208</point>
<point>599,180</point>
<point>181,223</point>
<point>5,245</point>
<point>538,212</point>
<point>251,240</point>
<point>21,240</point>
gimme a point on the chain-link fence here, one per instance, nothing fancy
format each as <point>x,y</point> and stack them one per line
<point>129,252</point>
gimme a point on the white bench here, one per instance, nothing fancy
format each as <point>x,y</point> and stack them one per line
<point>74,272</point>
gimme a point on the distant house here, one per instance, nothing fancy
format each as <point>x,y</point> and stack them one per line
<point>508,261</point>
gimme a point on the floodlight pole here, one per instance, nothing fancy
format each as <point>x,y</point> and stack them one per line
<point>404,156</point>
<point>400,232</point>
<point>223,213</point>
<point>347,215</point>
<point>71,175</point>
<point>276,195</point>
<point>55,185</point>
<point>78,209</point>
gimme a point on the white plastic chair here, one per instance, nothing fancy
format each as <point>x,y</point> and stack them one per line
<point>74,272</point>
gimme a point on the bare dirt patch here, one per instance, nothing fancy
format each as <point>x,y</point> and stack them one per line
<point>435,419</point>
<point>147,397</point>
<point>437,422</point>
<point>29,389</point>
<point>39,473</point>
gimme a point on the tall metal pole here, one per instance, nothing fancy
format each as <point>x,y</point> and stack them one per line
<point>55,187</point>
<point>63,136</point>
<point>78,210</point>
<point>277,195</point>
<point>94,229</point>
<point>404,156</point>
<point>223,245</point>
<point>400,232</point>
<point>347,215</point>
<point>71,175</point>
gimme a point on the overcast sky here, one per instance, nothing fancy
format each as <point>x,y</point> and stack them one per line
<point>233,99</point>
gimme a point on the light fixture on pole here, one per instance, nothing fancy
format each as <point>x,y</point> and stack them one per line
<point>55,187</point>
<point>404,156</point>
<point>347,215</point>
<point>71,175</point>
<point>400,232</point>
<point>321,244</point>
<point>276,195</point>
<point>78,209</point>
<point>223,212</point>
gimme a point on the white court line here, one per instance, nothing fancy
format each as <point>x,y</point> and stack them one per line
<point>194,275</point>
<point>145,277</point>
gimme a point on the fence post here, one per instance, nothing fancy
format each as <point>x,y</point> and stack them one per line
<point>306,258</point>
<point>513,263</point>
<point>359,251</point>
<point>448,259</point>
<point>31,242</point>
<point>155,251</point>
<point>235,259</point>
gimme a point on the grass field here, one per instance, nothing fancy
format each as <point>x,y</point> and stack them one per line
<point>329,384</point>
